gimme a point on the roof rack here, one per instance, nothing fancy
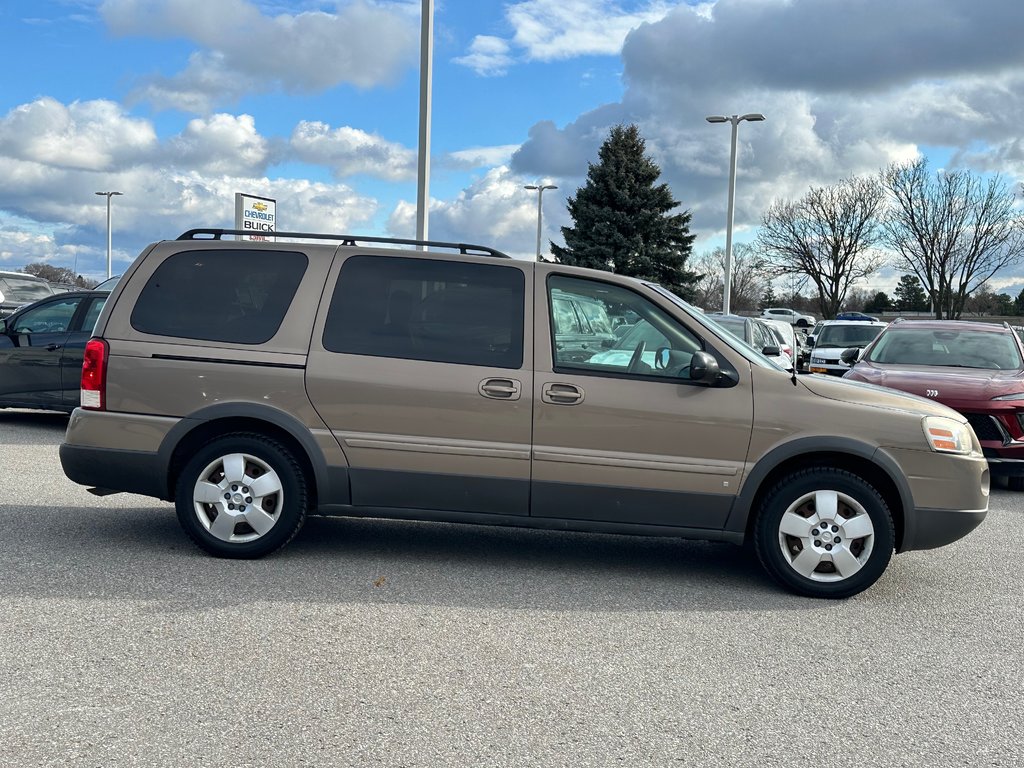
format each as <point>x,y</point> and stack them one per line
<point>352,240</point>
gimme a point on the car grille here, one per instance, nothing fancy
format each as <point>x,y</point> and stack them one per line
<point>985,427</point>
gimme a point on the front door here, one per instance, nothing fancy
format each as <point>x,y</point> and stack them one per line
<point>619,439</point>
<point>30,355</point>
<point>422,373</point>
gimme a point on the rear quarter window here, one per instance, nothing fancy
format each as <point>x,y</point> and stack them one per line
<point>233,296</point>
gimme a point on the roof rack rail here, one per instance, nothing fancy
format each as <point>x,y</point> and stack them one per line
<point>463,248</point>
<point>899,319</point>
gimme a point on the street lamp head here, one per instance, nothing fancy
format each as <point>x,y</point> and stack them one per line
<point>531,186</point>
<point>549,186</point>
<point>717,119</point>
<point>754,117</point>
<point>108,194</point>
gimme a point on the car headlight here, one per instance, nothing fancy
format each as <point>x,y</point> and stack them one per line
<point>1014,396</point>
<point>946,435</point>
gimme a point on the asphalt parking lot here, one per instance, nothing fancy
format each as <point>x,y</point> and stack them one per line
<point>371,643</point>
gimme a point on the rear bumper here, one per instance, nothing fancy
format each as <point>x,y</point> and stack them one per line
<point>114,470</point>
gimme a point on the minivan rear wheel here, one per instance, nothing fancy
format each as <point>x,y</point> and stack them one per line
<point>824,533</point>
<point>243,495</point>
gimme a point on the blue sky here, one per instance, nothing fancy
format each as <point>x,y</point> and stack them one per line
<point>181,103</point>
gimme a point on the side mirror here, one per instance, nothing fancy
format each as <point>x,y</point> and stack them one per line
<point>849,356</point>
<point>608,343</point>
<point>3,327</point>
<point>771,351</point>
<point>703,368</point>
<point>810,339</point>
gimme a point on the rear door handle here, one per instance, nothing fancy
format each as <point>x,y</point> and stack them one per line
<point>561,394</point>
<point>500,389</point>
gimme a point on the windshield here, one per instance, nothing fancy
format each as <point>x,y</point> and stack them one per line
<point>23,289</point>
<point>847,335</point>
<point>962,349</point>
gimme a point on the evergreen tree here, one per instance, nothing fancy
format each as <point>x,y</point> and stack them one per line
<point>910,296</point>
<point>768,298</point>
<point>880,302</point>
<point>1018,303</point>
<point>623,221</point>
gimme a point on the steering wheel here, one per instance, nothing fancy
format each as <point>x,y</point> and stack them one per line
<point>634,361</point>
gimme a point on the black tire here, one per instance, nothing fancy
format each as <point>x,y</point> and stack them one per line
<point>276,504</point>
<point>862,547</point>
<point>1015,483</point>
<point>802,323</point>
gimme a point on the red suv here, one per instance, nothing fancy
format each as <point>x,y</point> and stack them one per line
<point>975,368</point>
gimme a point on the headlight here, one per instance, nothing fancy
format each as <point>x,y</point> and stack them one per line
<point>1014,396</point>
<point>946,435</point>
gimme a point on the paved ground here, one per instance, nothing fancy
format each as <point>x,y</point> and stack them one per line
<point>401,644</point>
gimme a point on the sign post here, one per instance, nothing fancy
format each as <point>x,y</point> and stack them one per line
<point>255,214</point>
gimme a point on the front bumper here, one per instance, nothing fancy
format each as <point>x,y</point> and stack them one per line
<point>949,493</point>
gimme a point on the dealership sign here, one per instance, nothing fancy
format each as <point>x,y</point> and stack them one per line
<point>256,214</point>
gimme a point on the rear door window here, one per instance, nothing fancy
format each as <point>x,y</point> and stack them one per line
<point>234,296</point>
<point>428,309</point>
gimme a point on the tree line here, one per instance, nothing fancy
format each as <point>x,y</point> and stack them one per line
<point>948,232</point>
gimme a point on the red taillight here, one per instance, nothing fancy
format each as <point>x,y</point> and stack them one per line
<point>94,375</point>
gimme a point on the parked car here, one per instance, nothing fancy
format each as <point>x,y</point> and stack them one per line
<point>41,350</point>
<point>791,316</point>
<point>975,368</point>
<point>108,284</point>
<point>755,334</point>
<point>788,340</point>
<point>835,337</point>
<point>856,316</point>
<point>582,325</point>
<point>255,383</point>
<point>20,288</point>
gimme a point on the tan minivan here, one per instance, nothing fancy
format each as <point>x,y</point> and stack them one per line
<point>253,383</point>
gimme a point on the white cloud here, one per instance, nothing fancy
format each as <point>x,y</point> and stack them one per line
<point>494,211</point>
<point>361,43</point>
<point>222,145</point>
<point>478,157</point>
<point>487,56</point>
<point>347,151</point>
<point>90,135</point>
<point>551,30</point>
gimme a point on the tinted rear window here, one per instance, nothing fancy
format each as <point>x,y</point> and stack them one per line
<point>234,296</point>
<point>425,309</point>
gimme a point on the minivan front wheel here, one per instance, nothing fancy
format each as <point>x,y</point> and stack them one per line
<point>824,533</point>
<point>243,495</point>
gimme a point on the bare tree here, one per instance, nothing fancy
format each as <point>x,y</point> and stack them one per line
<point>829,235</point>
<point>749,277</point>
<point>953,230</point>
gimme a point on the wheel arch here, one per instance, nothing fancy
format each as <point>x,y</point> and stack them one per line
<point>214,421</point>
<point>862,459</point>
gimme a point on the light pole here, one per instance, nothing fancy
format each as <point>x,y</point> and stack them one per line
<point>753,117</point>
<point>540,211</point>
<point>426,84</point>
<point>108,195</point>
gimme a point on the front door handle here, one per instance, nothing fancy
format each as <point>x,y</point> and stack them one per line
<point>53,347</point>
<point>500,389</point>
<point>561,394</point>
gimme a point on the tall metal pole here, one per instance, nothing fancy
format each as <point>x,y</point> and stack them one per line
<point>426,80</point>
<point>735,120</point>
<point>727,292</point>
<point>109,195</point>
<point>540,208</point>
